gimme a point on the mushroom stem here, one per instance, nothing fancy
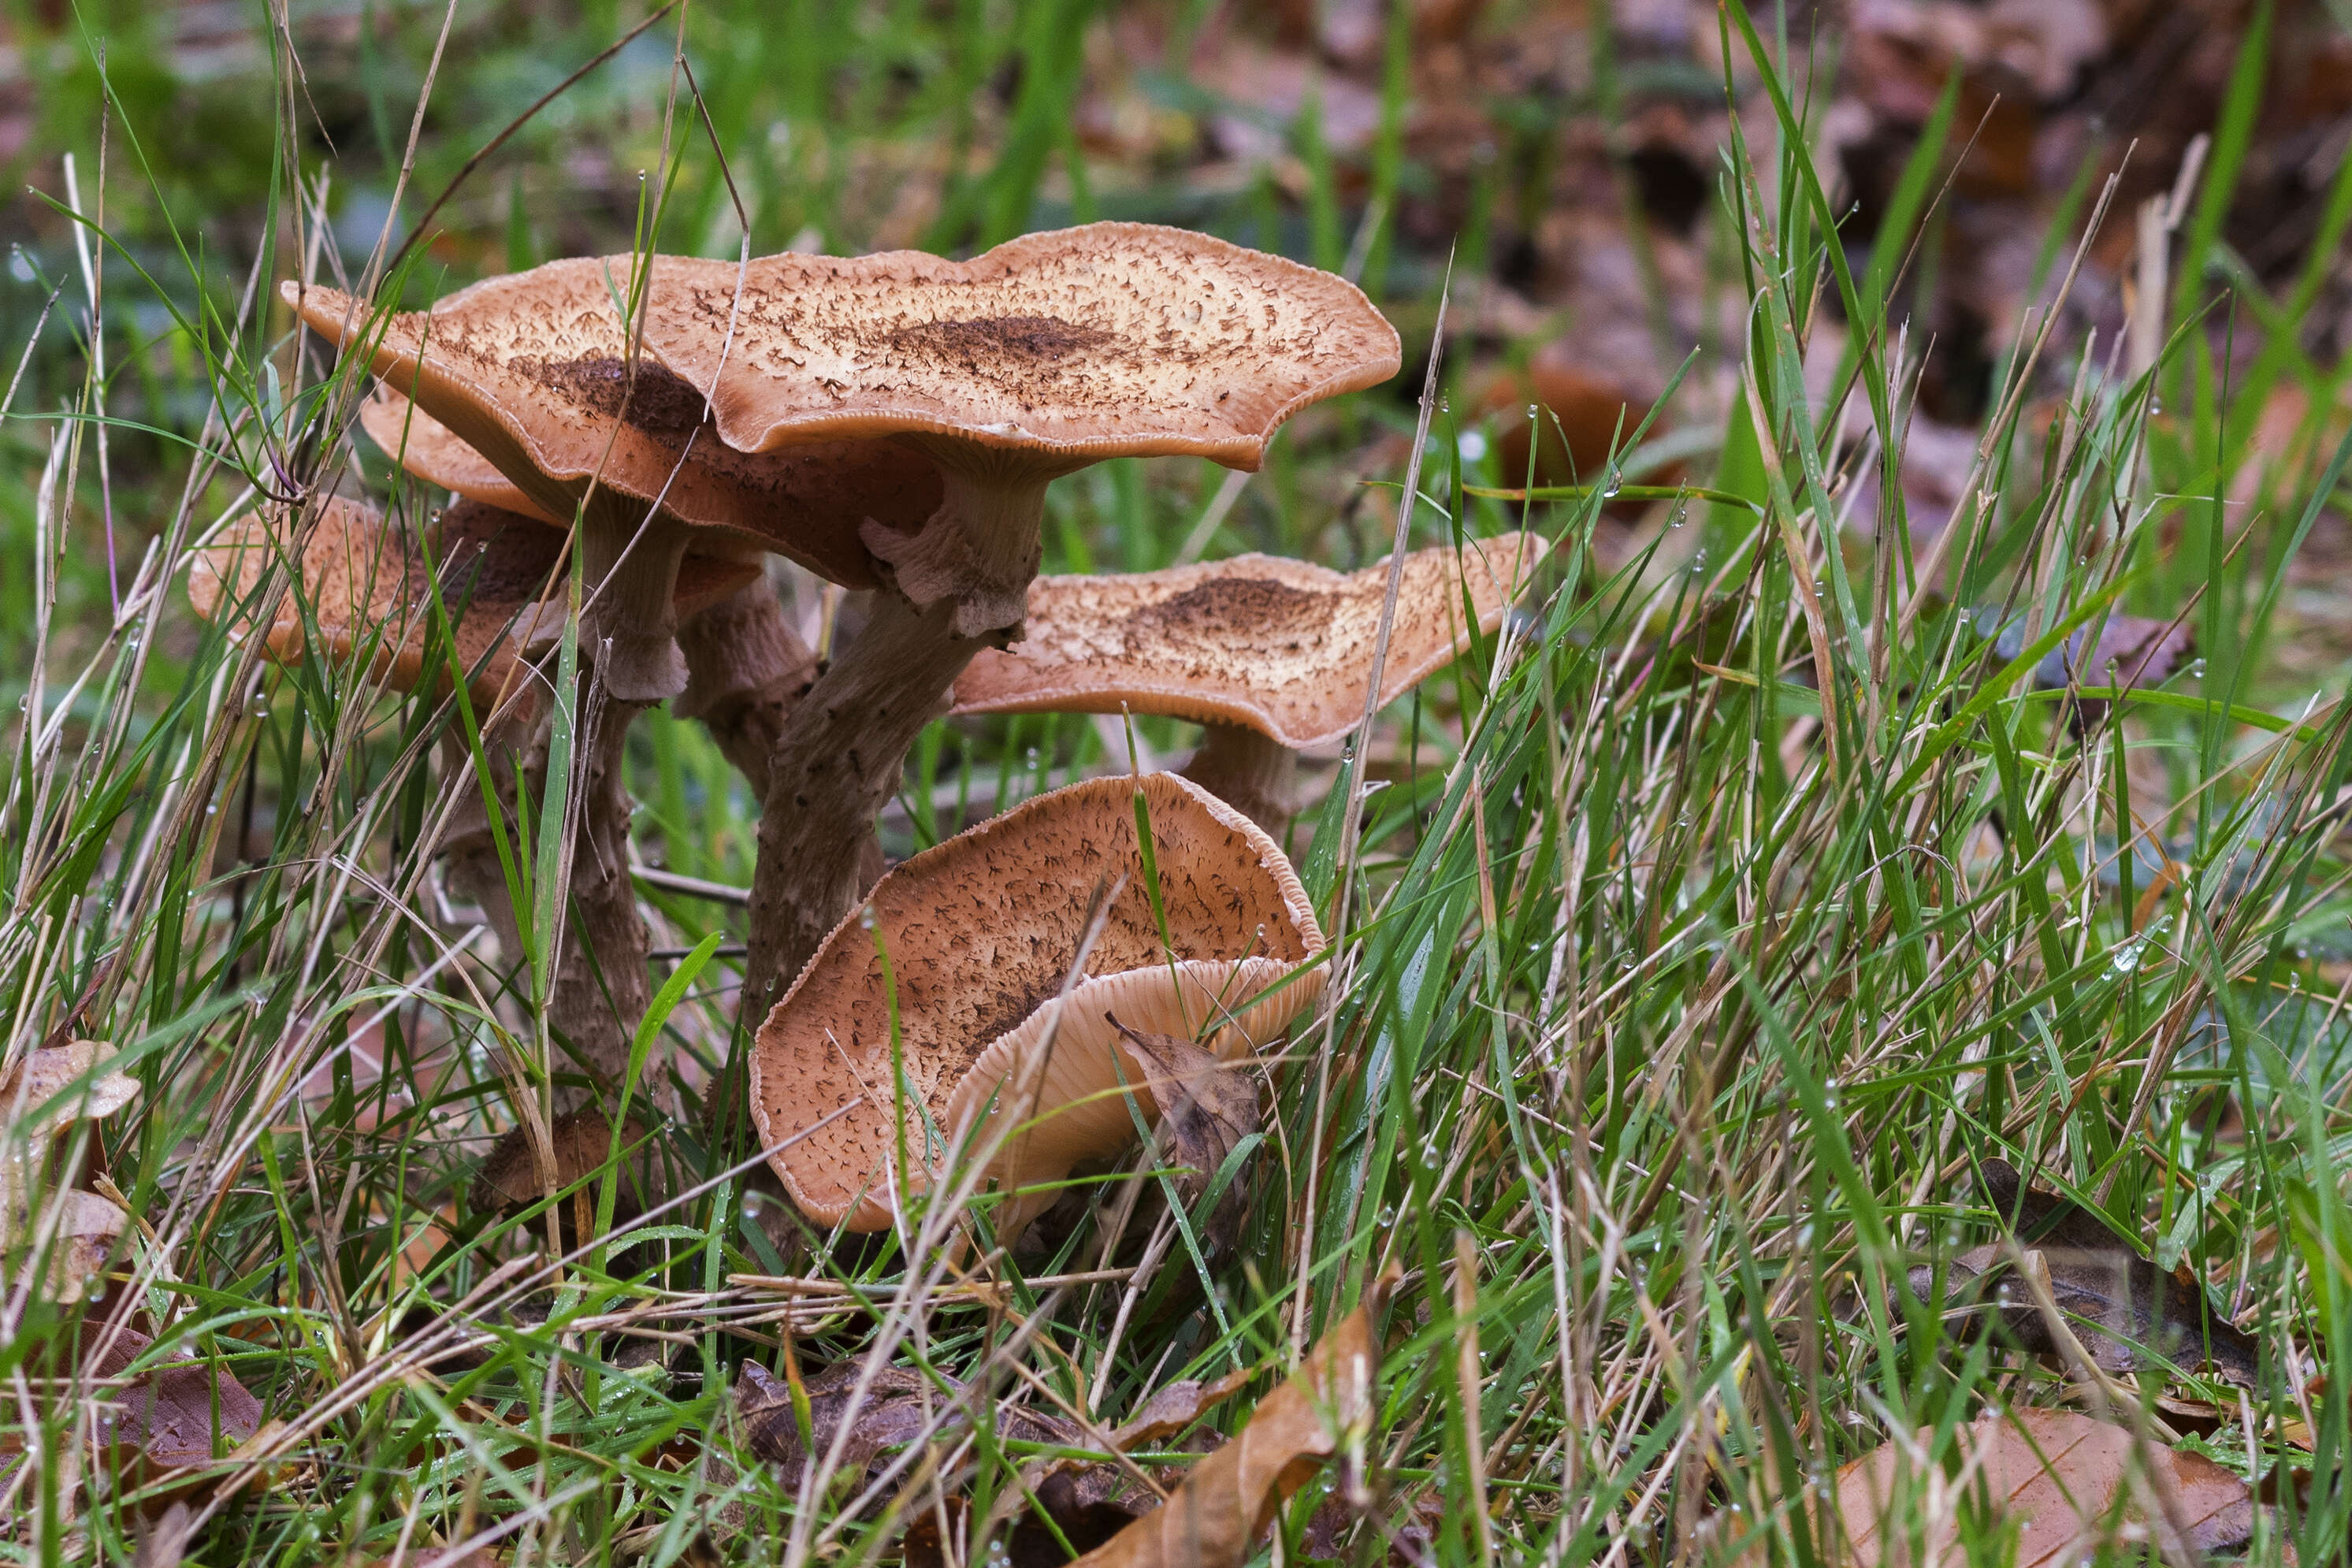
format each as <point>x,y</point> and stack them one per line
<point>837,760</point>
<point>979,550</point>
<point>600,987</point>
<point>631,565</point>
<point>746,669</point>
<point>600,990</point>
<point>1251,773</point>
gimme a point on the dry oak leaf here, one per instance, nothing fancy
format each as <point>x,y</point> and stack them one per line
<point>2064,1480</point>
<point>1214,1519</point>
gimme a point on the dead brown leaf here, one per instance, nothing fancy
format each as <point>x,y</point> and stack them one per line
<point>1175,1407</point>
<point>179,1415</point>
<point>2066,1481</point>
<point>2120,1305</point>
<point>1214,1518</point>
<point>59,1084</point>
<point>1208,1106</point>
<point>895,1409</point>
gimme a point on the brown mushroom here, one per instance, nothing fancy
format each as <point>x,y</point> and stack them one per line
<point>536,374</point>
<point>1048,353</point>
<point>365,588</point>
<point>432,451</point>
<point>363,584</point>
<point>1270,656</point>
<point>745,665</point>
<point>980,935</point>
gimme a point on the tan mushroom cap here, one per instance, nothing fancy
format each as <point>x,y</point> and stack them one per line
<point>1276,646</point>
<point>981,932</point>
<point>425,446</point>
<point>532,370</point>
<point>364,578</point>
<point>1109,340</point>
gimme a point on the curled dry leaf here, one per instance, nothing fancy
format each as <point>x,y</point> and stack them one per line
<point>1213,1107</point>
<point>2120,1306</point>
<point>1175,1407</point>
<point>88,1227</point>
<point>59,1084</point>
<point>2066,1482</point>
<point>1214,1518</point>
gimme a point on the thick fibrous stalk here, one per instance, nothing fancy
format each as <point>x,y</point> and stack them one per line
<point>1251,773</point>
<point>839,758</point>
<point>598,991</point>
<point>630,564</point>
<point>746,669</point>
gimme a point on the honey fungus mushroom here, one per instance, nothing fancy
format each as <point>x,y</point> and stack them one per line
<point>535,374</point>
<point>981,933</point>
<point>365,587</point>
<point>1270,656</point>
<point>1029,362</point>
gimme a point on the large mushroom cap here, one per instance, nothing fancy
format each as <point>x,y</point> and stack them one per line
<point>981,933</point>
<point>1110,340</point>
<point>1280,646</point>
<point>364,583</point>
<point>533,371</point>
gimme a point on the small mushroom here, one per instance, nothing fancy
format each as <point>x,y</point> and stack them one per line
<point>364,584</point>
<point>980,935</point>
<point>537,374</point>
<point>1270,656</point>
<point>1031,361</point>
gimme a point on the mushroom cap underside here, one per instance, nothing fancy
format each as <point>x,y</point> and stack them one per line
<point>982,934</point>
<point>1059,348</point>
<point>364,583</point>
<point>430,449</point>
<point>534,372</point>
<point>1281,646</point>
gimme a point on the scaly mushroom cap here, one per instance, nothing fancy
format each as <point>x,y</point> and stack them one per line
<point>1281,646</point>
<point>425,446</point>
<point>981,932</point>
<point>363,579</point>
<point>1111,339</point>
<point>532,370</point>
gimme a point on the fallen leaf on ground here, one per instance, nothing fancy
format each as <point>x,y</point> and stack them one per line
<point>89,1225</point>
<point>173,1415</point>
<point>897,1404</point>
<point>2061,1479</point>
<point>1175,1407</point>
<point>2120,1306</point>
<point>59,1084</point>
<point>581,1142</point>
<point>1214,1518</point>
<point>1208,1106</point>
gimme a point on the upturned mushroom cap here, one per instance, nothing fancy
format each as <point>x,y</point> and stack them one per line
<point>363,579</point>
<point>1109,340</point>
<point>1276,646</point>
<point>532,371</point>
<point>981,933</point>
<point>425,446</point>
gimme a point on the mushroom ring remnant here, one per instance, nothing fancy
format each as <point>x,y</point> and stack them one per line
<point>980,935</point>
<point>1272,655</point>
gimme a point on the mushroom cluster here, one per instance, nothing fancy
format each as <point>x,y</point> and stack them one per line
<point>889,423</point>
